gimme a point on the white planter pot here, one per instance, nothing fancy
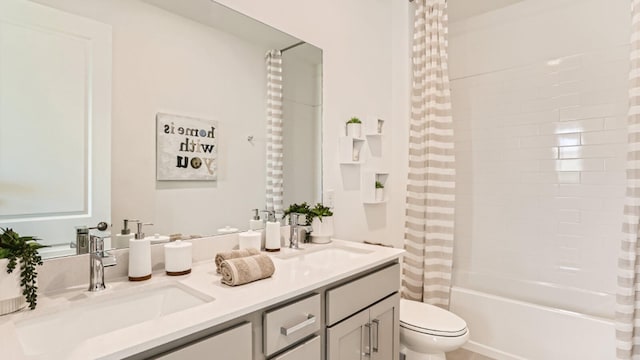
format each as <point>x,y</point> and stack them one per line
<point>379,194</point>
<point>11,298</point>
<point>354,130</point>
<point>322,230</point>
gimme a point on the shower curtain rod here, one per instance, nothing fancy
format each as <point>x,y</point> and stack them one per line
<point>292,46</point>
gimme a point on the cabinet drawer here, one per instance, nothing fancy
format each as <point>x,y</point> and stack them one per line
<point>229,344</point>
<point>358,294</point>
<point>309,350</point>
<point>286,325</point>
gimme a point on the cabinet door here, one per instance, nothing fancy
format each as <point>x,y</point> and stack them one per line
<point>385,337</point>
<point>231,344</point>
<point>349,340</point>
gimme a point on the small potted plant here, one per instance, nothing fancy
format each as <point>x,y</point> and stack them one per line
<point>19,255</point>
<point>354,127</point>
<point>379,191</point>
<point>321,218</point>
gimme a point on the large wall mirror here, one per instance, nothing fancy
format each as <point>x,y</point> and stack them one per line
<point>81,83</point>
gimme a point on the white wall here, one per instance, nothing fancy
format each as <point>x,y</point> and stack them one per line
<point>539,104</point>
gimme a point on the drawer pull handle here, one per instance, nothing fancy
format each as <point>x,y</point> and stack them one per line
<point>288,331</point>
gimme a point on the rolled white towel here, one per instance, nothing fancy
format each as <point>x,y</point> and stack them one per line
<point>244,270</point>
<point>233,254</point>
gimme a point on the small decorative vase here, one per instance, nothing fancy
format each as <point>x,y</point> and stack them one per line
<point>354,130</point>
<point>11,298</point>
<point>379,195</point>
<point>322,230</point>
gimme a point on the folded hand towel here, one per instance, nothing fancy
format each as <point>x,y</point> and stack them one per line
<point>240,271</point>
<point>233,254</point>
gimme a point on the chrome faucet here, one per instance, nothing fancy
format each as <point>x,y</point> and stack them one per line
<point>295,230</point>
<point>82,237</point>
<point>98,260</point>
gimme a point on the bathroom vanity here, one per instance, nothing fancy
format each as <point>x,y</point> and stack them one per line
<point>335,301</point>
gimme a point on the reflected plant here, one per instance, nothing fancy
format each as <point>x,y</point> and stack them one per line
<point>22,250</point>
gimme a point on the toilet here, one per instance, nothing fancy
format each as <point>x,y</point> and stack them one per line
<point>427,332</point>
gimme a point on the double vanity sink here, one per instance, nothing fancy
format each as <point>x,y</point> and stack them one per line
<point>130,318</point>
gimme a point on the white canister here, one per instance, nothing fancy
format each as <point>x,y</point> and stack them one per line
<point>139,259</point>
<point>250,240</point>
<point>177,258</point>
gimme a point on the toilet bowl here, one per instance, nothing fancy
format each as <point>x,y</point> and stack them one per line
<point>427,331</point>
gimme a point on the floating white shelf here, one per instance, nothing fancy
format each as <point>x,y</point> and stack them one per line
<point>374,126</point>
<point>350,150</point>
<point>368,187</point>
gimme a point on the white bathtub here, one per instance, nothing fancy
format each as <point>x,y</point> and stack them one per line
<point>508,329</point>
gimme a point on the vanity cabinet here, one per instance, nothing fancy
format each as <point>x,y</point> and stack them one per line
<point>373,332</point>
<point>233,344</point>
<point>353,318</point>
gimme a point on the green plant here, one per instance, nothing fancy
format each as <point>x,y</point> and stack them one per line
<point>318,211</point>
<point>23,250</point>
<point>298,209</point>
<point>379,185</point>
<point>354,120</point>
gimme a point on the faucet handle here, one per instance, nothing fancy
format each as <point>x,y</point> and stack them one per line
<point>84,229</point>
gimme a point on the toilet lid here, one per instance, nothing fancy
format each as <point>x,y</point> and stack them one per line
<point>430,319</point>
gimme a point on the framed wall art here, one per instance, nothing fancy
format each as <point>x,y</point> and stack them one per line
<point>186,148</point>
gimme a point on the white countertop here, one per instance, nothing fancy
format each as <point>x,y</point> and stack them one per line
<point>291,278</point>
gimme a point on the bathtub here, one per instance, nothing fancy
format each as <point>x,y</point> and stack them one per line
<point>578,326</point>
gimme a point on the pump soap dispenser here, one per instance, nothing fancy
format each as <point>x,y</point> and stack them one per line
<point>255,223</point>
<point>272,243</point>
<point>122,240</point>
<point>140,256</point>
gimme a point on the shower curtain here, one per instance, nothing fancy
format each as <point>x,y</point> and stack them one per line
<point>628,302</point>
<point>429,220</point>
<point>274,181</point>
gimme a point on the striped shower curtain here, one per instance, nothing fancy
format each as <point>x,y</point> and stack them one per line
<point>274,181</point>
<point>628,302</point>
<point>429,223</point>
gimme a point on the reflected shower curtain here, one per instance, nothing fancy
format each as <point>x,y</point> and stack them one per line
<point>628,302</point>
<point>274,183</point>
<point>430,202</point>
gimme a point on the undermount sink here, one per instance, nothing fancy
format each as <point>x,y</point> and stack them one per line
<point>325,255</point>
<point>97,315</point>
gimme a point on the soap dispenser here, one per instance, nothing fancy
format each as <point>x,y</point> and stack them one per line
<point>255,223</point>
<point>272,243</point>
<point>140,256</point>
<point>122,240</point>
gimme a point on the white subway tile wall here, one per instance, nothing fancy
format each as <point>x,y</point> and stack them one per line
<point>540,159</point>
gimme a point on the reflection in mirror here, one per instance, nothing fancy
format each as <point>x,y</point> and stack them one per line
<point>192,58</point>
